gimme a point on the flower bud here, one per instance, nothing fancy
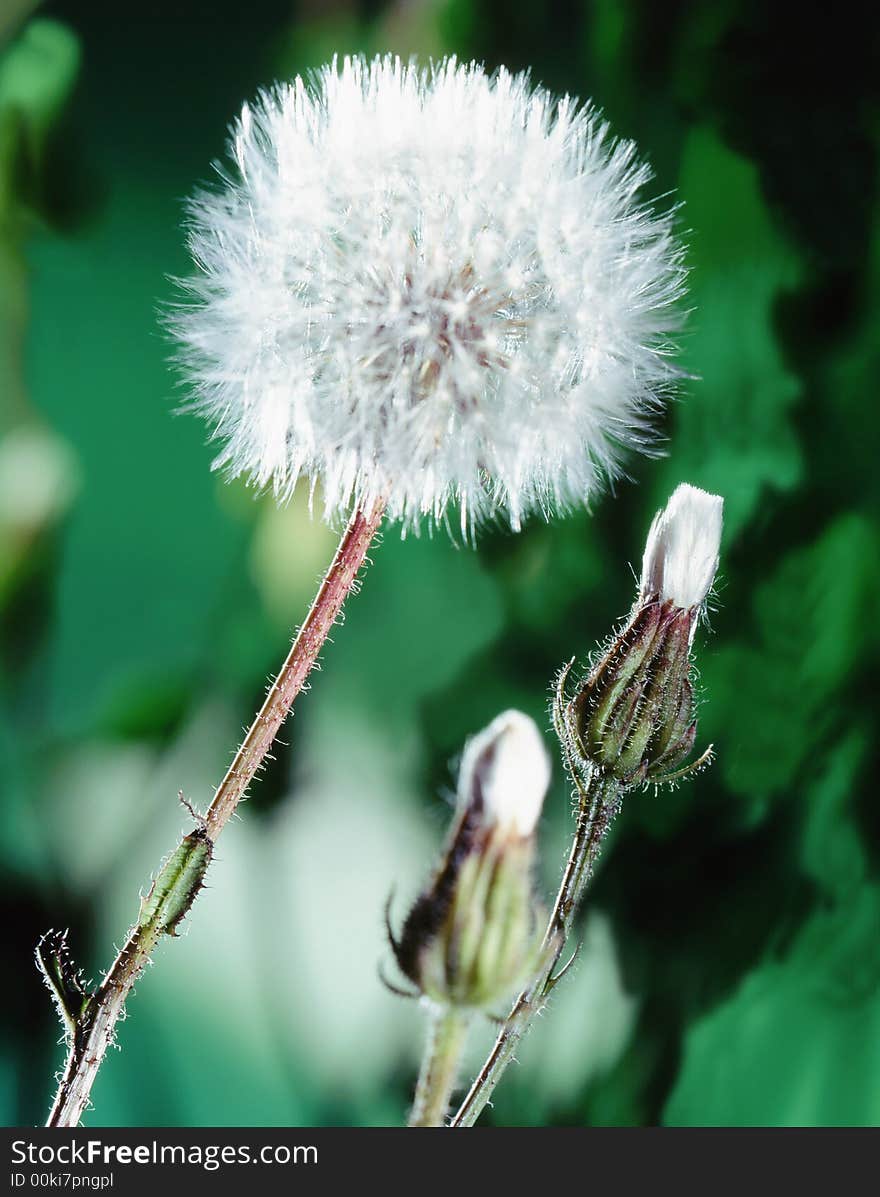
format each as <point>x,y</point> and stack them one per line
<point>474,933</point>
<point>634,717</point>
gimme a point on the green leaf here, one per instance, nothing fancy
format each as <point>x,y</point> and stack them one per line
<point>732,432</point>
<point>772,698</point>
<point>799,1043</point>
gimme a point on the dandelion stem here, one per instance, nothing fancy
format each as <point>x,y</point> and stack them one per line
<point>324,612</point>
<point>598,803</point>
<point>180,877</point>
<point>447,1033</point>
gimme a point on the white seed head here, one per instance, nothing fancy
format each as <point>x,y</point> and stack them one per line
<point>681,556</point>
<point>506,769</point>
<point>435,286</point>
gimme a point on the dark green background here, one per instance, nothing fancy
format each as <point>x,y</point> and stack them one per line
<point>731,963</point>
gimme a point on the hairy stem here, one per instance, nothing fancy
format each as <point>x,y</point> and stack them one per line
<point>598,803</point>
<point>324,612</point>
<point>445,1042</point>
<point>95,1032</point>
<point>93,1025</point>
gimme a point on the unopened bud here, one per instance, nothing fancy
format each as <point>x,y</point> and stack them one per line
<point>473,934</point>
<point>177,885</point>
<point>634,717</point>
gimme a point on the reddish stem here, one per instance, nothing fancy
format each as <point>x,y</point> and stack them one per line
<point>310,639</point>
<point>96,1026</point>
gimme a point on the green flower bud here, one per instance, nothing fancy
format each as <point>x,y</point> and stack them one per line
<point>474,933</point>
<point>634,718</point>
<point>177,885</point>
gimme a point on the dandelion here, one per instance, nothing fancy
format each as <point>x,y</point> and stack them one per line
<point>430,287</point>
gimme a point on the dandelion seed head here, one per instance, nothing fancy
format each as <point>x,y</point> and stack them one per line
<point>432,286</point>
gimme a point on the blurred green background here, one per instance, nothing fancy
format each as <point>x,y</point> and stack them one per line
<point>731,964</point>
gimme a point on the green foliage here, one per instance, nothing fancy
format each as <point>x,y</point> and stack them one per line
<point>797,1045</point>
<point>735,427</point>
<point>810,639</point>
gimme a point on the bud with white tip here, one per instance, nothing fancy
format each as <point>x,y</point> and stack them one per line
<point>474,932</point>
<point>633,718</point>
